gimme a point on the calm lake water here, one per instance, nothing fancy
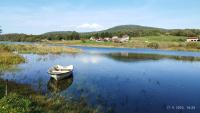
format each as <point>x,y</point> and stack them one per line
<point>120,80</point>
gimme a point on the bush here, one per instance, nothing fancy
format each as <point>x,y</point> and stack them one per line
<point>153,45</point>
<point>181,40</point>
<point>83,40</point>
<point>195,45</point>
<point>181,45</point>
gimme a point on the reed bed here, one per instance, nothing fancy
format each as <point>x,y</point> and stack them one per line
<point>40,49</point>
<point>8,59</point>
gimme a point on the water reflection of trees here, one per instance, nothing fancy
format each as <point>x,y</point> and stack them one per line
<point>131,57</point>
<point>59,86</point>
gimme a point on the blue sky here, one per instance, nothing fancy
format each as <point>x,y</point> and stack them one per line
<point>39,16</point>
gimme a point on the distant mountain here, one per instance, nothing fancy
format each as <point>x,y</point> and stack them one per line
<point>121,28</point>
<point>58,32</point>
<point>124,28</point>
<point>131,30</point>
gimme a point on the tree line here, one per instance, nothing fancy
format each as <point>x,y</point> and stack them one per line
<point>36,38</point>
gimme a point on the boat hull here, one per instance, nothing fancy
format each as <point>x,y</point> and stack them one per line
<point>61,76</point>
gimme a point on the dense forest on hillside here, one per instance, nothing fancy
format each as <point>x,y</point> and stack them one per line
<point>131,30</point>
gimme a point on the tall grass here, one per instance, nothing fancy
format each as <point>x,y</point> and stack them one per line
<point>22,99</point>
<point>194,45</point>
<point>15,103</point>
<point>8,59</point>
<point>9,56</point>
<point>40,49</point>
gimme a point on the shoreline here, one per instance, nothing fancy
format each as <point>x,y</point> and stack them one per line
<point>110,45</point>
<point>165,49</point>
<point>154,42</point>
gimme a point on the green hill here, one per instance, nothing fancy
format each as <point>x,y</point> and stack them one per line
<point>58,32</point>
<point>124,28</point>
<point>121,28</point>
<point>131,30</point>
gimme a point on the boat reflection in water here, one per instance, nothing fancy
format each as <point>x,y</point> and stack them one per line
<point>55,86</point>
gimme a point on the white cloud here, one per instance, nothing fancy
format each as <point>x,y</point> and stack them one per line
<point>90,26</point>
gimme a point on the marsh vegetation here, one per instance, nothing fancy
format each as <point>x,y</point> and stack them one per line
<point>38,49</point>
<point>22,99</point>
<point>9,53</point>
<point>8,58</point>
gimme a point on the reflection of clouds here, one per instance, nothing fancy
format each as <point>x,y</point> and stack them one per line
<point>93,60</point>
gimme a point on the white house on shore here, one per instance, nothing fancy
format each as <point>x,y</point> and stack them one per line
<point>122,39</point>
<point>107,39</point>
<point>192,39</point>
<point>115,38</point>
<point>125,38</point>
<point>92,39</point>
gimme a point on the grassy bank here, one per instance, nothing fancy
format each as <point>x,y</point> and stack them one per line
<point>8,59</point>
<point>22,99</point>
<point>39,49</point>
<point>15,103</point>
<point>9,56</point>
<point>155,42</point>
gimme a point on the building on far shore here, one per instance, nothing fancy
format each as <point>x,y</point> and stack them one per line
<point>192,39</point>
<point>99,39</point>
<point>107,39</point>
<point>92,39</point>
<point>125,38</point>
<point>114,38</point>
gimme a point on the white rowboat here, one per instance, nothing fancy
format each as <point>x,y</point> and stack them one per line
<point>59,72</point>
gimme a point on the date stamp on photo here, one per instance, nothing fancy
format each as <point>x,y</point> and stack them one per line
<point>179,107</point>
